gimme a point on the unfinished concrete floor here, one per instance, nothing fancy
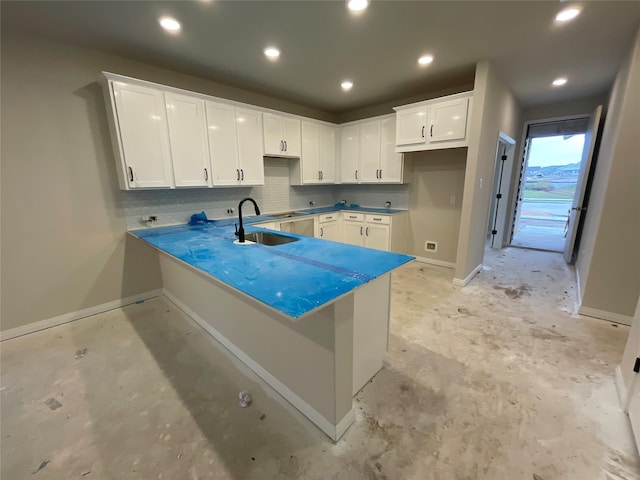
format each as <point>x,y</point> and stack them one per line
<point>497,380</point>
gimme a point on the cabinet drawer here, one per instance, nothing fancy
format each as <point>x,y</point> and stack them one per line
<point>383,219</point>
<point>328,217</point>
<point>353,216</point>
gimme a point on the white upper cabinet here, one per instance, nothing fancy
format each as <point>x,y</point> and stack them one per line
<point>368,152</point>
<point>188,141</point>
<point>235,145</point>
<point>141,136</point>
<point>318,158</point>
<point>349,153</point>
<point>281,135</point>
<point>433,124</point>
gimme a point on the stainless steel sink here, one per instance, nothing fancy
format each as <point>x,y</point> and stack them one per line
<point>286,214</point>
<point>268,238</point>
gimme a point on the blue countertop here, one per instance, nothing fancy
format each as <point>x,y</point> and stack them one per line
<point>294,278</point>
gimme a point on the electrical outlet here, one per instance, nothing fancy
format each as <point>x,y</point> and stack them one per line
<point>431,246</point>
<point>230,211</point>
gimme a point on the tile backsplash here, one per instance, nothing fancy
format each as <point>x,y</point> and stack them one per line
<point>276,195</point>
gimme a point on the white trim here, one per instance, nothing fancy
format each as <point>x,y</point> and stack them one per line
<point>73,316</point>
<point>578,288</point>
<point>461,283</point>
<point>604,315</point>
<point>621,388</point>
<point>433,261</point>
<point>333,431</point>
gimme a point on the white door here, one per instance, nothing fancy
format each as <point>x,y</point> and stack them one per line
<point>349,154</point>
<point>411,125</point>
<point>250,149</point>
<point>188,139</point>
<point>310,159</point>
<point>353,233</point>
<point>577,206</point>
<point>391,163</point>
<point>142,123</point>
<point>223,143</point>
<point>273,141</point>
<point>448,120</point>
<point>329,231</point>
<point>376,236</point>
<point>291,136</point>
<point>327,154</point>
<point>370,152</point>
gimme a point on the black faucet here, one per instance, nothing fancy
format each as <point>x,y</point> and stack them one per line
<point>240,231</point>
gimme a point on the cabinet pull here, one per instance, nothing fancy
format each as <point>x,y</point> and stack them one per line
<point>241,174</point>
<point>131,174</point>
<point>360,230</point>
<point>238,174</point>
<point>356,174</point>
<point>321,232</point>
<point>431,131</point>
<point>281,146</point>
<point>352,216</point>
<point>377,219</point>
<point>321,175</point>
<point>422,133</point>
<point>367,232</point>
<point>380,174</point>
<point>330,217</point>
<point>285,145</point>
<point>206,175</point>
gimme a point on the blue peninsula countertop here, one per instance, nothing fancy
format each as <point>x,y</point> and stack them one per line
<point>294,278</point>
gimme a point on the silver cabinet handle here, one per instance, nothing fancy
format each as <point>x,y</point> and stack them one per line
<point>206,174</point>
<point>238,174</point>
<point>130,174</point>
<point>241,174</point>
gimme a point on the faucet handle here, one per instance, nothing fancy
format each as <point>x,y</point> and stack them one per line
<point>236,233</point>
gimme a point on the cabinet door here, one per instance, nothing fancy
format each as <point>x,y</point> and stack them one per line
<point>327,154</point>
<point>370,152</point>
<point>273,138</point>
<point>291,136</point>
<point>223,144</point>
<point>448,120</point>
<point>329,231</point>
<point>144,136</point>
<point>349,148</point>
<point>250,150</point>
<point>188,140</point>
<point>376,236</point>
<point>310,158</point>
<point>353,233</point>
<point>411,126</point>
<point>391,163</point>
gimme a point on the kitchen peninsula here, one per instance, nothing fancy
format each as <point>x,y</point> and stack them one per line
<point>309,316</point>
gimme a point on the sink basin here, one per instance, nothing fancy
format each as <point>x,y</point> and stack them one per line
<point>286,214</point>
<point>268,238</point>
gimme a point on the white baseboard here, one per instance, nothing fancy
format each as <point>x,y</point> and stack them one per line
<point>333,431</point>
<point>604,315</point>
<point>462,282</point>
<point>621,388</point>
<point>73,316</point>
<point>433,261</point>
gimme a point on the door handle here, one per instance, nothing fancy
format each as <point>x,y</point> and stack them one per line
<point>356,174</point>
<point>360,230</point>
<point>321,232</point>
<point>130,174</point>
<point>431,131</point>
<point>380,174</point>
<point>367,232</point>
<point>241,174</point>
<point>422,132</point>
<point>206,174</point>
<point>285,146</point>
<point>238,174</point>
<point>281,146</point>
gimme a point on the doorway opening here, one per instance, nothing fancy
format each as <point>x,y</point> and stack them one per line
<point>552,173</point>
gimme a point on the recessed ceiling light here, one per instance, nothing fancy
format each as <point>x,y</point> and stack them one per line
<point>272,53</point>
<point>357,5</point>
<point>558,82</point>
<point>170,24</point>
<point>567,14</point>
<point>425,59</point>
<point>346,85</point>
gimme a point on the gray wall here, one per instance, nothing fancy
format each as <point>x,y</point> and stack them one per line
<point>609,257</point>
<point>436,176</point>
<point>494,110</point>
<point>64,218</point>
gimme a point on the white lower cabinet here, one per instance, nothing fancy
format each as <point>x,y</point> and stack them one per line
<point>353,228</point>
<point>328,227</point>
<point>376,232</point>
<point>381,232</point>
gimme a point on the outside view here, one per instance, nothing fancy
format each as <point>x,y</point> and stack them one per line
<point>549,185</point>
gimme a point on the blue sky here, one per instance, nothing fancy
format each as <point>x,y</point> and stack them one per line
<point>547,151</point>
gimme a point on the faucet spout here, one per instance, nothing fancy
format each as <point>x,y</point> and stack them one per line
<point>240,231</point>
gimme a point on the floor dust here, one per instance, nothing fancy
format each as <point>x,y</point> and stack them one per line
<point>496,380</point>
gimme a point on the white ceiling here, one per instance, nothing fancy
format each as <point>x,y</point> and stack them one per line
<point>322,43</point>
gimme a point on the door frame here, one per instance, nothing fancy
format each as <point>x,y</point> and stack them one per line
<point>516,172</point>
<point>502,184</point>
